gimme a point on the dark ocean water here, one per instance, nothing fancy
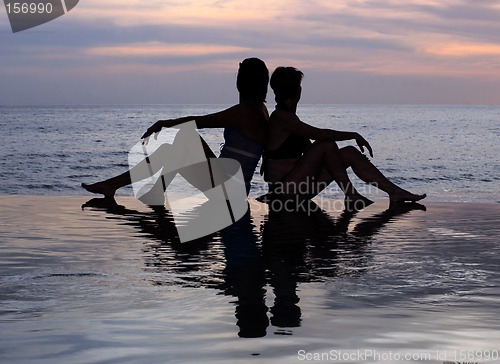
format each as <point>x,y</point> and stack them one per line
<point>449,152</point>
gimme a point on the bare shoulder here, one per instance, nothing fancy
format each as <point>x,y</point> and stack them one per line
<point>230,111</point>
<point>250,113</point>
<point>283,118</point>
<point>221,119</point>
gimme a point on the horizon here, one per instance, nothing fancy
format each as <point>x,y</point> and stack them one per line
<point>228,104</point>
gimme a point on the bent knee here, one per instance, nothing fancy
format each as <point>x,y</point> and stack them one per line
<point>326,145</point>
<point>350,149</point>
<point>351,153</point>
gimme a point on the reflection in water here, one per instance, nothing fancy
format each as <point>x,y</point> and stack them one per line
<point>288,248</point>
<point>245,276</point>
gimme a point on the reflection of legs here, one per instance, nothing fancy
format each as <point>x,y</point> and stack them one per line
<point>318,167</point>
<point>365,170</point>
<point>286,311</point>
<point>370,226</point>
<point>144,168</point>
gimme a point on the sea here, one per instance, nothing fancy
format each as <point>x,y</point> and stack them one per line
<point>449,152</point>
<point>83,280</point>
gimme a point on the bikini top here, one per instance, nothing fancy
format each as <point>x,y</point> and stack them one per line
<point>293,147</point>
<point>245,151</point>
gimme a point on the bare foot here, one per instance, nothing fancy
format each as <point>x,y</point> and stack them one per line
<point>100,187</point>
<point>405,196</point>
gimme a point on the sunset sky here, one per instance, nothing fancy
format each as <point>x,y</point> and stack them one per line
<point>182,51</point>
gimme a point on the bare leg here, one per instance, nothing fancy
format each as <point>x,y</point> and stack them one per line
<point>352,201</point>
<point>108,187</point>
<point>318,167</point>
<point>365,170</point>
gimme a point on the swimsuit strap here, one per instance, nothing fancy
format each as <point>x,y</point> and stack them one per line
<point>242,152</point>
<point>238,143</point>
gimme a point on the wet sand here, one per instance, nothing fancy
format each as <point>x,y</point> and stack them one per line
<point>112,283</point>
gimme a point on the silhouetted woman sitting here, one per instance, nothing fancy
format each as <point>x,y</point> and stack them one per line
<point>245,128</point>
<point>296,167</point>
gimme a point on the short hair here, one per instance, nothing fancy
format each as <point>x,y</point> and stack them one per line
<point>253,79</point>
<point>285,82</point>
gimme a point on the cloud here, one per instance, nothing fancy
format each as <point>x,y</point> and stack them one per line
<point>159,49</point>
<point>223,14</point>
<point>456,39</point>
<point>464,50</point>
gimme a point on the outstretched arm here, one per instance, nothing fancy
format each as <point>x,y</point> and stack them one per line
<point>221,119</point>
<point>160,124</point>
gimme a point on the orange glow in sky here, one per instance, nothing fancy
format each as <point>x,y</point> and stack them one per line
<point>438,43</point>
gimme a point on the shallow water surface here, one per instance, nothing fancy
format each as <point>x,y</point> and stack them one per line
<point>114,285</point>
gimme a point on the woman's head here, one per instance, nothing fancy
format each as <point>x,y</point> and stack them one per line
<point>252,80</point>
<point>285,83</point>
